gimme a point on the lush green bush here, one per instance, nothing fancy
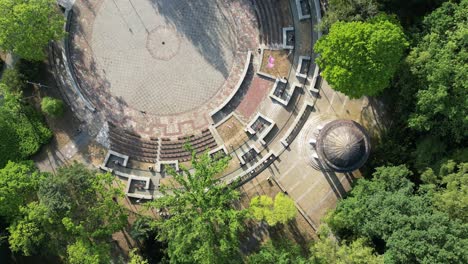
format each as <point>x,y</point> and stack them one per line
<point>22,129</point>
<point>13,79</point>
<point>52,107</point>
<point>28,26</point>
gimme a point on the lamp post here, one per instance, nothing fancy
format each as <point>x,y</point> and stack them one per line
<point>232,147</point>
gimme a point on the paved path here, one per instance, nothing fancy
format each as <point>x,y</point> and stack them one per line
<point>55,158</point>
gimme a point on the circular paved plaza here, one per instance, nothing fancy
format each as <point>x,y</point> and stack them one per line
<point>162,57</point>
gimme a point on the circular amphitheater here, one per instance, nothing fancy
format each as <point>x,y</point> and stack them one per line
<point>159,73</point>
<point>229,77</point>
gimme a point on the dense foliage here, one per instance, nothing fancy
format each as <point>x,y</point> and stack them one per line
<point>348,11</point>
<point>71,214</point>
<point>52,107</point>
<point>283,252</point>
<point>22,130</point>
<point>13,79</point>
<point>328,250</point>
<point>440,62</point>
<point>416,213</point>
<point>27,26</point>
<point>18,185</point>
<point>391,212</point>
<point>203,226</point>
<point>360,58</point>
<point>281,211</point>
<point>325,250</point>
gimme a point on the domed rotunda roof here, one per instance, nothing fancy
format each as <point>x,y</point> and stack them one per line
<point>343,145</point>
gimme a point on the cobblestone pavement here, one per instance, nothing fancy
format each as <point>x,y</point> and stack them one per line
<point>160,67</point>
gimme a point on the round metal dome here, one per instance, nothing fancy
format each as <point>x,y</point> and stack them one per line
<point>343,145</point>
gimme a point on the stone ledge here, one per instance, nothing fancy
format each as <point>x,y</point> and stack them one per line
<point>238,85</point>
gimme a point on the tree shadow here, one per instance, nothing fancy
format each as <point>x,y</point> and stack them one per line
<point>203,23</point>
<point>91,81</point>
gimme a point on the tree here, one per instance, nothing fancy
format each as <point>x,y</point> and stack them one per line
<point>27,26</point>
<point>92,212</point>
<point>84,252</point>
<point>282,252</point>
<point>202,226</point>
<point>135,258</point>
<point>439,62</point>
<point>388,211</point>
<point>13,79</point>
<point>284,209</point>
<point>360,58</point>
<point>261,207</point>
<point>141,228</point>
<point>327,250</point>
<point>281,211</point>
<point>52,107</point>
<point>74,217</point>
<point>22,130</point>
<point>348,11</point>
<point>18,185</point>
<point>451,189</point>
<point>27,234</point>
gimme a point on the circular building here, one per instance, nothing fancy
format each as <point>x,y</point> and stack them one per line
<point>343,145</point>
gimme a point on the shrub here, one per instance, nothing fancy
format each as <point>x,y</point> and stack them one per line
<point>52,107</point>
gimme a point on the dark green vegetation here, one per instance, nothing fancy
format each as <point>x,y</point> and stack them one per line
<point>22,128</point>
<point>415,213</point>
<point>71,214</point>
<point>325,250</point>
<point>27,26</point>
<point>348,11</point>
<point>408,223</point>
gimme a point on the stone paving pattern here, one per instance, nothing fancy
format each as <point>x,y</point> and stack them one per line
<point>152,88</point>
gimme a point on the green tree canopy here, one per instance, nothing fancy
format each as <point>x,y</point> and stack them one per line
<point>22,130</point>
<point>27,26</point>
<point>18,186</point>
<point>327,250</point>
<point>13,79</point>
<point>451,189</point>
<point>27,234</point>
<point>282,252</point>
<point>282,210</point>
<point>348,11</point>
<point>74,216</point>
<point>85,252</point>
<point>388,210</point>
<point>360,58</point>
<point>135,258</point>
<point>440,61</point>
<point>52,107</point>
<point>203,225</point>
